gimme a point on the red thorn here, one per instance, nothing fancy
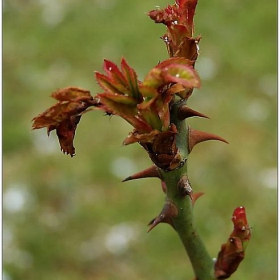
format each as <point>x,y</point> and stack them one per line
<point>153,223</point>
<point>163,186</point>
<point>166,215</point>
<point>196,196</point>
<point>186,112</point>
<point>147,173</point>
<point>196,136</point>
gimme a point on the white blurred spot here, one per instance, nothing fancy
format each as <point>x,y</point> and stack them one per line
<point>123,167</point>
<point>268,84</point>
<point>43,143</point>
<point>6,276</point>
<point>15,198</point>
<point>7,237</point>
<point>53,11</point>
<point>58,71</point>
<point>118,239</point>
<point>258,110</point>
<point>206,68</point>
<point>13,255</point>
<point>269,178</point>
<point>115,239</point>
<point>19,258</point>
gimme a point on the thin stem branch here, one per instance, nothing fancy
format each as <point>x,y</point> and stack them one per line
<point>184,221</point>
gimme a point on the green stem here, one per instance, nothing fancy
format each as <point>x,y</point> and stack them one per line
<point>184,222</point>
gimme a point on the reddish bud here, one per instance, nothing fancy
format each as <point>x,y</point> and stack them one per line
<point>233,251</point>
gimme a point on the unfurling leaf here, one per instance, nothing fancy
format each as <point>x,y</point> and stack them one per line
<point>65,115</point>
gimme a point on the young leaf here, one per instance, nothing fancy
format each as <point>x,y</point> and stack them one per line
<point>113,72</point>
<point>181,74</point>
<point>125,107</point>
<point>66,133</point>
<point>109,85</point>
<point>135,136</point>
<point>131,79</point>
<point>72,94</point>
<point>65,115</point>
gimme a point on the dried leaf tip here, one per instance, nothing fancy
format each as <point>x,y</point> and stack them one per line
<point>196,136</point>
<point>146,173</point>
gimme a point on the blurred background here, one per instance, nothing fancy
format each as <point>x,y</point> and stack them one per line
<point>72,218</point>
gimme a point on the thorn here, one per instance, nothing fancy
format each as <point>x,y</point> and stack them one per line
<point>186,112</point>
<point>196,196</point>
<point>196,136</point>
<point>166,215</point>
<point>153,223</point>
<point>146,173</point>
<point>163,186</point>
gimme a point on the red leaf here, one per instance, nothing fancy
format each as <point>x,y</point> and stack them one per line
<point>131,79</point>
<point>66,133</point>
<point>113,72</point>
<point>135,136</point>
<point>58,113</point>
<point>154,79</point>
<point>174,60</point>
<point>174,70</point>
<point>65,115</point>
<point>181,74</point>
<point>126,108</point>
<point>110,85</point>
<point>72,94</point>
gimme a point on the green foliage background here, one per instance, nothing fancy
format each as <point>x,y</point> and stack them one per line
<point>73,218</point>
